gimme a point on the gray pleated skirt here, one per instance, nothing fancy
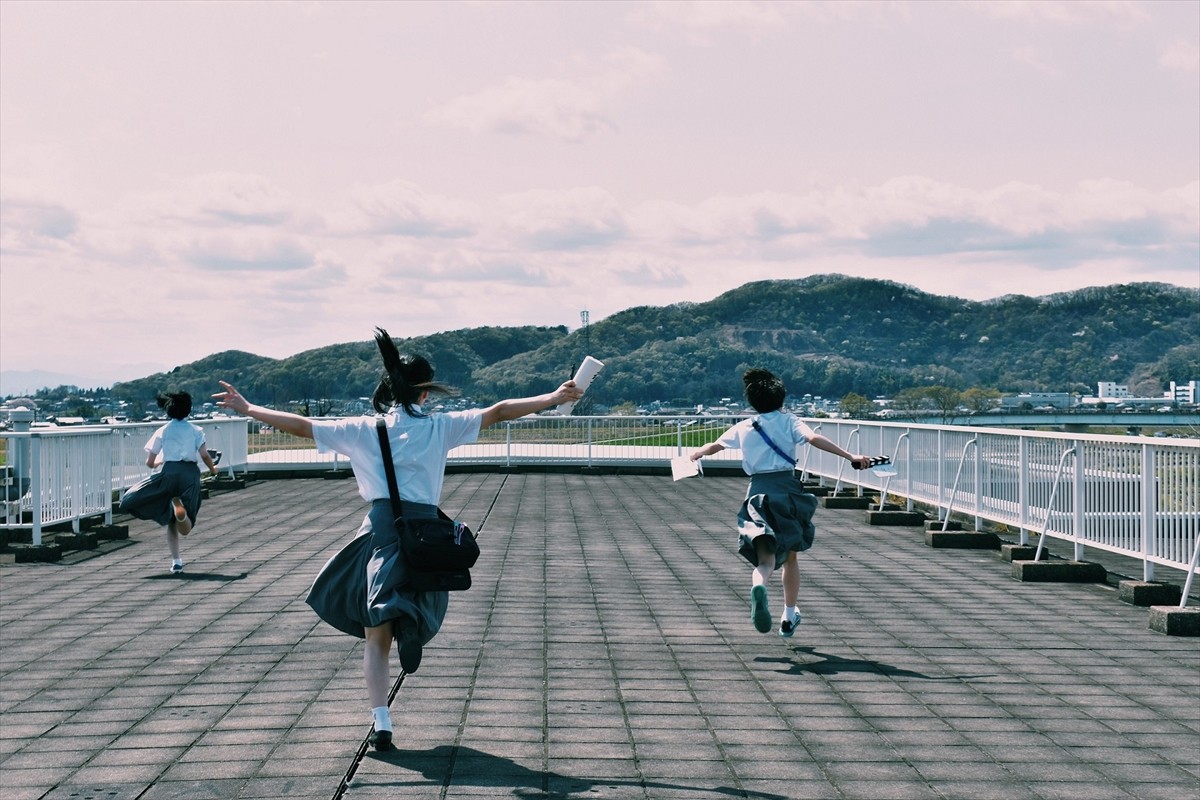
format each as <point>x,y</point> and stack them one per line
<point>777,506</point>
<point>151,499</point>
<point>363,585</point>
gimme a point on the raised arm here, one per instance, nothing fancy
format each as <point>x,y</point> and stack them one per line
<point>707,450</point>
<point>285,421</point>
<point>822,443</point>
<point>519,407</point>
<point>208,460</point>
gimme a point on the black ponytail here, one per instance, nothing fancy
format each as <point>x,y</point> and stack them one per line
<point>405,378</point>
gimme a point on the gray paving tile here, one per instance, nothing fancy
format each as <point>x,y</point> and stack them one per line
<point>604,652</point>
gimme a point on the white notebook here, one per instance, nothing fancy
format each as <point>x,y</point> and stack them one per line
<point>684,467</point>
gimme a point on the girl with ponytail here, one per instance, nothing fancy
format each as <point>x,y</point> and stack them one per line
<point>775,520</point>
<point>419,441</point>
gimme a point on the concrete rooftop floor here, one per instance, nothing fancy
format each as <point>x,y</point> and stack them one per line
<point>605,651</point>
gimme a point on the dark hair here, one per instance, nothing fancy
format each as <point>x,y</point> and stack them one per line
<point>405,378</point>
<point>764,391</point>
<point>177,404</point>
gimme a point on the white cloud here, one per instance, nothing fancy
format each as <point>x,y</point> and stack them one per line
<point>32,224</point>
<point>1181,55</point>
<point>915,215</point>
<point>401,208</point>
<point>571,109</point>
<point>548,107</point>
<point>563,220</point>
<point>1028,56</point>
<point>1121,13</point>
<point>211,200</point>
<point>697,20</point>
<point>251,251</point>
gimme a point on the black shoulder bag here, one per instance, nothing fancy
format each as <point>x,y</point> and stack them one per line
<point>774,446</point>
<point>873,461</point>
<point>439,552</point>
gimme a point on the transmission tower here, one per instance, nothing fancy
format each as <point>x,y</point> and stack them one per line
<point>587,333</point>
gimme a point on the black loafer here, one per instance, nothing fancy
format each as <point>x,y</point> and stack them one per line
<point>381,740</point>
<point>408,642</point>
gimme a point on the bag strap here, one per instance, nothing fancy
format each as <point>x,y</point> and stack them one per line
<point>389,468</point>
<point>774,446</point>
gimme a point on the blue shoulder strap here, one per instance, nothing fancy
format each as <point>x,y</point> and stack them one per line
<point>774,446</point>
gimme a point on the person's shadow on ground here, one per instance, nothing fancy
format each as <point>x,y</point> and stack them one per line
<point>829,664</point>
<point>466,766</point>
<point>195,576</point>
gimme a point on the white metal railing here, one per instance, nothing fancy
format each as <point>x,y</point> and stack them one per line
<point>1135,496</point>
<point>59,475</point>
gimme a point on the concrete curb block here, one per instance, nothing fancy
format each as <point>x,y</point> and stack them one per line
<point>886,517</point>
<point>110,532</point>
<point>225,484</point>
<point>1017,552</point>
<point>962,540</point>
<point>936,525</point>
<point>1059,572</point>
<point>1149,593</point>
<point>36,553</point>
<point>1175,621</point>
<point>85,540</point>
<point>847,502</point>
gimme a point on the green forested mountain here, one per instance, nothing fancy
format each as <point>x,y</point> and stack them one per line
<point>825,335</point>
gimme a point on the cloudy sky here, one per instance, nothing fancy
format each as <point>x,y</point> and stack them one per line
<point>181,178</point>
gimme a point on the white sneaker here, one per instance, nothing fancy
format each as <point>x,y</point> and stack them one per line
<point>176,567</point>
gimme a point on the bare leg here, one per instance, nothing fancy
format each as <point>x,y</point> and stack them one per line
<point>791,580</point>
<point>173,541</point>
<point>760,612</point>
<point>765,548</point>
<point>182,524</point>
<point>376,669</point>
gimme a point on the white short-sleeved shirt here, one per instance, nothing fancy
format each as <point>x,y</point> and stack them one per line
<point>178,440</point>
<point>786,430</point>
<point>419,447</point>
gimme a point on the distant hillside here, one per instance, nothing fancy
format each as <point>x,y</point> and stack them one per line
<point>339,371</point>
<point>830,335</point>
<point>825,335</point>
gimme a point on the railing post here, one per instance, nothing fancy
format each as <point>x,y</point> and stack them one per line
<point>1023,488</point>
<point>35,485</point>
<point>979,487</point>
<point>589,442</point>
<point>108,507</point>
<point>1149,532</point>
<point>1078,497</point>
<point>941,477</point>
<point>508,444</point>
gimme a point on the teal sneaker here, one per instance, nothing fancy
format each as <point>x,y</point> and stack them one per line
<point>758,609</point>
<point>786,628</point>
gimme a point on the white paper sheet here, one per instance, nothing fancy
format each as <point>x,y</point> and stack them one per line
<point>583,378</point>
<point>683,467</point>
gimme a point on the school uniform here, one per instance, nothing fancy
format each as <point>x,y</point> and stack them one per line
<point>776,504</point>
<point>179,442</point>
<point>363,585</point>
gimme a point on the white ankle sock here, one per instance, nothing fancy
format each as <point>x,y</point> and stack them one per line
<point>382,718</point>
<point>791,613</point>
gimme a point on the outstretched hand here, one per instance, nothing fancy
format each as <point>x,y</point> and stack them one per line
<point>232,399</point>
<point>567,393</point>
<point>860,462</point>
